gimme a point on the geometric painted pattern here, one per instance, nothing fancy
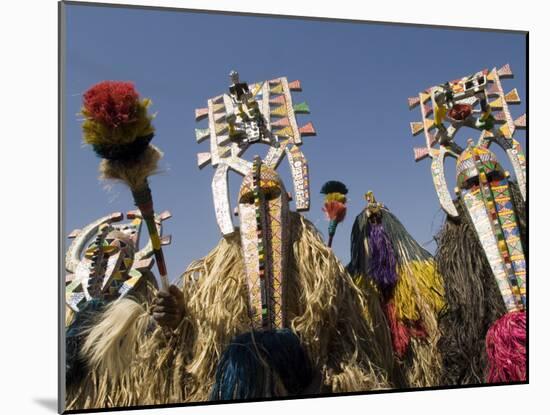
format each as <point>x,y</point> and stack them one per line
<point>490,207</point>
<point>477,210</point>
<point>277,244</point>
<point>299,169</point>
<point>261,237</point>
<point>466,164</point>
<point>264,242</point>
<point>514,257</point>
<point>249,245</point>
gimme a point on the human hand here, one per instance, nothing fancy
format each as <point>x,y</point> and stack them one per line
<point>168,308</point>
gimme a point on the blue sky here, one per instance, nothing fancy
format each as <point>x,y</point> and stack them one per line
<point>356,78</point>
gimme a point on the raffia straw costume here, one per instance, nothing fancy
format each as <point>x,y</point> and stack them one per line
<point>268,311</point>
<point>482,246</point>
<point>384,256</point>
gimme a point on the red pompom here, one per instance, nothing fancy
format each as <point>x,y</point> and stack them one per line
<point>506,345</point>
<point>111,103</point>
<point>335,210</point>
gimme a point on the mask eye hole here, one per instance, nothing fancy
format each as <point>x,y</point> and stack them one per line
<point>247,198</point>
<point>271,192</point>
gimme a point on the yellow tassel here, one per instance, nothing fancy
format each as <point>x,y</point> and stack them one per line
<point>97,133</point>
<point>418,279</point>
<point>339,197</point>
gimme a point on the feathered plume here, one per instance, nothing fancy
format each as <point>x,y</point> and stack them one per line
<point>335,205</point>
<point>118,127</point>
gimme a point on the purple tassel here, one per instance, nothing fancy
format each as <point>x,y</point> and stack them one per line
<point>382,261</point>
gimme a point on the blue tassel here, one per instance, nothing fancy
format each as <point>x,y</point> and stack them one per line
<point>256,362</point>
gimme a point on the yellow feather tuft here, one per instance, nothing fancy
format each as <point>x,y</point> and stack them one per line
<point>95,132</point>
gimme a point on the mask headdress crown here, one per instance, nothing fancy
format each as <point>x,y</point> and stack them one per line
<point>479,102</point>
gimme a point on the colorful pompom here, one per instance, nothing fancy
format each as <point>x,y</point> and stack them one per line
<point>335,205</point>
<point>117,127</point>
<point>115,115</point>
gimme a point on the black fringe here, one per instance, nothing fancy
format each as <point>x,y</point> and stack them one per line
<point>473,299</point>
<point>359,263</point>
<point>123,152</point>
